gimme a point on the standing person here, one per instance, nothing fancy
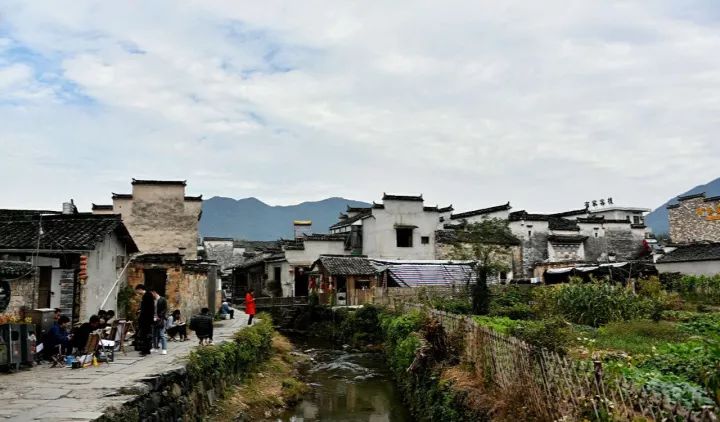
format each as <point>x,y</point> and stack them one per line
<point>250,305</point>
<point>145,320</point>
<point>161,308</point>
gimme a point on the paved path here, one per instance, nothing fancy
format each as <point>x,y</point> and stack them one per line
<point>63,394</point>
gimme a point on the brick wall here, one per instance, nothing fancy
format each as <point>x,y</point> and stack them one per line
<point>186,289</point>
<point>695,219</point>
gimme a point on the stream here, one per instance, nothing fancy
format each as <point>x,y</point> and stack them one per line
<point>346,386</point>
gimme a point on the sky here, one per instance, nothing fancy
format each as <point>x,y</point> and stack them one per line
<point>471,103</point>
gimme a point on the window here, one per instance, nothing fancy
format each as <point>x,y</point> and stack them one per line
<point>425,240</point>
<point>277,273</point>
<point>404,237</point>
<point>529,233</point>
<point>636,219</point>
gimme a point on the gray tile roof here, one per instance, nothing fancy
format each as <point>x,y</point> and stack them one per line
<point>62,232</point>
<point>346,265</point>
<point>481,211</point>
<point>16,268</point>
<point>693,252</point>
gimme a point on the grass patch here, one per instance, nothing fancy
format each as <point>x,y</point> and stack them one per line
<point>637,336</point>
<point>269,390</point>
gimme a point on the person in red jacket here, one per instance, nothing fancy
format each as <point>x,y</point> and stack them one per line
<point>250,305</point>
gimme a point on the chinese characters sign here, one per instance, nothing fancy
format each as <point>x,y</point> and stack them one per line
<point>710,213</point>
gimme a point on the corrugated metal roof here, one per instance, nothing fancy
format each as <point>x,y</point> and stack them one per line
<point>418,275</point>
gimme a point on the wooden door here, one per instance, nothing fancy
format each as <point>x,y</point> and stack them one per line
<point>45,279</point>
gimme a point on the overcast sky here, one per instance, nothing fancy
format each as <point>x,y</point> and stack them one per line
<point>542,103</point>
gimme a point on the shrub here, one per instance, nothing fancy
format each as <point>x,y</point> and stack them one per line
<point>251,345</point>
<point>516,311</point>
<point>698,288</point>
<point>599,303</point>
<point>460,306</point>
<point>360,327</point>
<point>552,334</point>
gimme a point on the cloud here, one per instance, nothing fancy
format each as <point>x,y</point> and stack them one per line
<point>546,105</point>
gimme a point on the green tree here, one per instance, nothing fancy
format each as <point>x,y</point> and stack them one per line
<point>486,246</point>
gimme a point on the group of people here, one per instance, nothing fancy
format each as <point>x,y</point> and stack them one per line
<point>154,329</point>
<point>155,325</point>
<point>63,340</point>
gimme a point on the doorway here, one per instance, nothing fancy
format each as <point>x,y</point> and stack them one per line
<point>301,281</point>
<point>45,284</point>
<point>156,279</point>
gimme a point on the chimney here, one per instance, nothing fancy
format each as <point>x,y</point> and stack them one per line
<point>69,207</point>
<point>302,228</point>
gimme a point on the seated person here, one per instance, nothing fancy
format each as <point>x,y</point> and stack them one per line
<point>82,333</point>
<point>225,309</point>
<point>109,317</point>
<point>203,326</point>
<point>57,337</point>
<point>176,326</point>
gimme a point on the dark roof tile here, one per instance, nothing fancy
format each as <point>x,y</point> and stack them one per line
<point>63,232</point>
<point>159,182</point>
<point>346,265</point>
<point>557,223</point>
<point>693,252</point>
<point>481,211</point>
<point>561,238</point>
<point>16,268</point>
<point>387,197</point>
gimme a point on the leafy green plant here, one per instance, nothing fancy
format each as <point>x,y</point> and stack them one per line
<point>598,303</point>
<point>679,390</point>
<point>697,360</point>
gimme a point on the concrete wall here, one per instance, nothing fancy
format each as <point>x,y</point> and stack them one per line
<point>102,272</point>
<point>695,220</point>
<point>501,214</point>
<point>160,219</point>
<point>287,279</point>
<point>379,236</point>
<point>692,268</point>
<point>313,250</point>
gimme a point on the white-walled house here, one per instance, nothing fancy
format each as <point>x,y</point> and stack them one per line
<point>401,227</point>
<point>56,245</point>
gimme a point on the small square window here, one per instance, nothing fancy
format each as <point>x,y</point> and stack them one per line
<point>425,240</point>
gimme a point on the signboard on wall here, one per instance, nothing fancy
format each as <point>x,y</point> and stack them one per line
<point>710,213</point>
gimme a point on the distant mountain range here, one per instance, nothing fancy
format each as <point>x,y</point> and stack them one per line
<point>658,219</point>
<point>252,219</point>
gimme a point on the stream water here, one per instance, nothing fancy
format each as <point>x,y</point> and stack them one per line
<point>346,386</point>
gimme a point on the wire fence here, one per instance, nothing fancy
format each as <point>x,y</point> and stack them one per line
<point>557,387</point>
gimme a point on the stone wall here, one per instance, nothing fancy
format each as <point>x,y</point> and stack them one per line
<point>534,249</point>
<point>23,293</point>
<point>160,218</point>
<point>189,392</point>
<point>695,219</point>
<point>186,288</point>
